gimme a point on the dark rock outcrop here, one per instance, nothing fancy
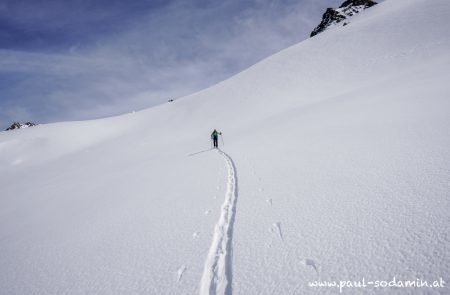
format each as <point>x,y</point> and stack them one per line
<point>18,125</point>
<point>365,3</point>
<point>336,15</point>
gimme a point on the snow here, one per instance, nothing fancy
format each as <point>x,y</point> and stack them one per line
<point>339,145</point>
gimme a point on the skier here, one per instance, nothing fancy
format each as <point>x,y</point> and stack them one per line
<point>215,138</point>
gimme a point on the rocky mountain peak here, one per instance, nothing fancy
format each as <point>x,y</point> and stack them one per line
<point>347,9</point>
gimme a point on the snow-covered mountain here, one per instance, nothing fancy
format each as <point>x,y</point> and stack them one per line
<point>18,125</point>
<point>333,16</point>
<point>335,167</point>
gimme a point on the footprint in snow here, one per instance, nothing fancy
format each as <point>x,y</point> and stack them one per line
<point>207,212</point>
<point>180,272</point>
<point>196,234</point>
<point>260,189</point>
<point>276,227</point>
<point>311,263</point>
<point>269,201</point>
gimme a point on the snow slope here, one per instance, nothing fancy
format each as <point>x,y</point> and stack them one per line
<point>337,167</point>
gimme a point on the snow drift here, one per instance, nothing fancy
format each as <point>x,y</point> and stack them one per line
<point>339,145</point>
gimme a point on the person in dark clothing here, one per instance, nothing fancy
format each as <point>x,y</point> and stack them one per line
<point>215,138</point>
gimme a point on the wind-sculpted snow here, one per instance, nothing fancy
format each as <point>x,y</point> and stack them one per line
<point>218,273</point>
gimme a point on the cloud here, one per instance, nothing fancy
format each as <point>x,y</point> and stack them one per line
<point>148,54</point>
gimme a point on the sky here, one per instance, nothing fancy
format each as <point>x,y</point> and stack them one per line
<point>87,59</point>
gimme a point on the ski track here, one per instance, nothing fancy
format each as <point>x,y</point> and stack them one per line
<point>217,274</point>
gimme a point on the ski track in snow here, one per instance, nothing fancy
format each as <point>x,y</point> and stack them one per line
<point>217,273</point>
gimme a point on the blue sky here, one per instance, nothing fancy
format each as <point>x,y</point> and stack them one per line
<point>80,59</point>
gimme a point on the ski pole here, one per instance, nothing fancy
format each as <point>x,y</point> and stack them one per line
<point>221,137</point>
